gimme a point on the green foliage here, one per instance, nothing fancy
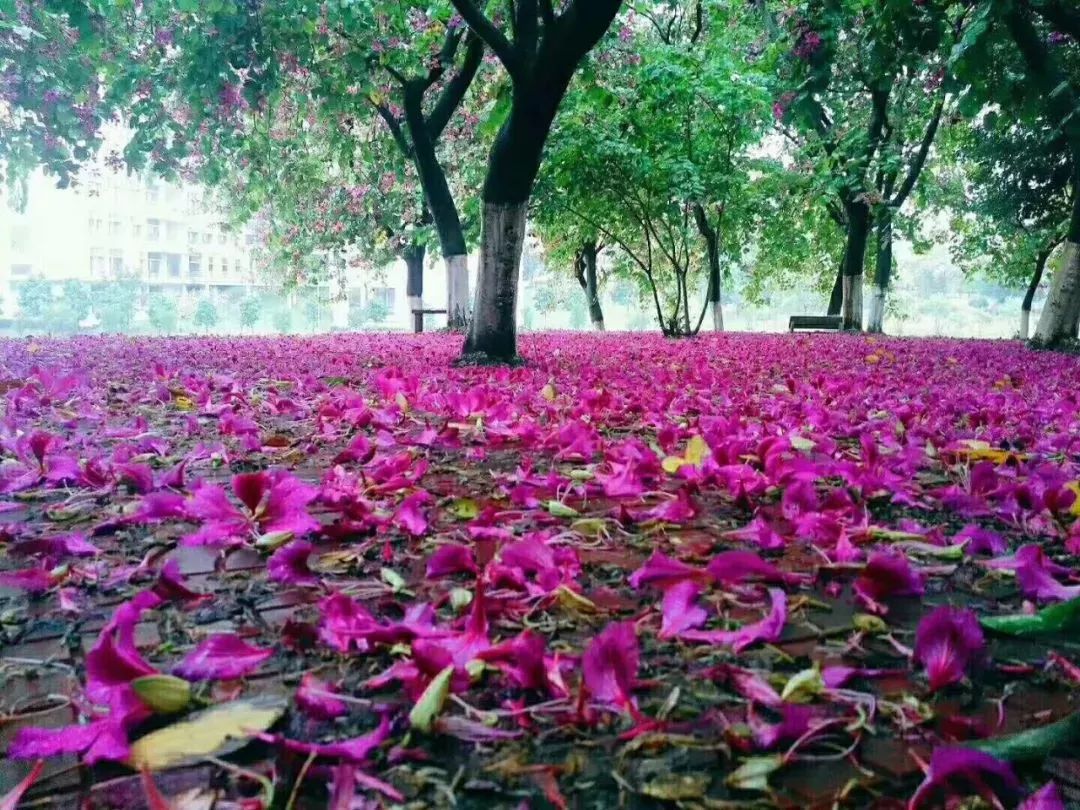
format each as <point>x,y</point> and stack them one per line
<point>114,304</point>
<point>658,132</point>
<point>250,311</point>
<point>78,297</point>
<point>163,314</point>
<point>282,319</point>
<point>34,298</point>
<point>206,314</point>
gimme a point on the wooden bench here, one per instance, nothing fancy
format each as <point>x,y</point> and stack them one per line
<point>418,317</point>
<point>827,323</point>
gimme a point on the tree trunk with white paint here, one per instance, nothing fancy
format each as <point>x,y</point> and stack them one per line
<point>457,292</point>
<point>414,282</point>
<point>493,330</point>
<point>712,252</point>
<point>851,312</point>
<point>1061,312</point>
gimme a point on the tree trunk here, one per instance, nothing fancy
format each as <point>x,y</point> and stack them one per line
<point>836,299</point>
<point>587,278</point>
<point>512,169</point>
<point>443,209</point>
<point>414,283</point>
<point>854,257</point>
<point>882,271</point>
<point>1061,313</point>
<point>493,330</point>
<point>1029,296</point>
<point>712,251</point>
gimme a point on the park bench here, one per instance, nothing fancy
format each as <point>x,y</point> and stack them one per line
<point>418,317</point>
<point>829,323</point>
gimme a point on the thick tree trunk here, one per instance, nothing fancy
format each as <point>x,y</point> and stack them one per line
<point>1061,312</point>
<point>441,205</point>
<point>1029,296</point>
<point>1060,317</point>
<point>882,271</point>
<point>493,330</point>
<point>414,283</point>
<point>854,257</point>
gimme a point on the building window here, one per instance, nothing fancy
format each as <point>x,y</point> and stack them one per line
<point>153,193</point>
<point>154,265</point>
<point>136,230</point>
<point>207,238</point>
<point>224,267</point>
<point>114,227</point>
<point>194,266</point>
<point>21,270</point>
<point>221,238</point>
<point>210,266</point>
<point>153,229</point>
<point>173,260</point>
<point>97,265</point>
<point>116,265</point>
<point>193,237</point>
<point>384,296</point>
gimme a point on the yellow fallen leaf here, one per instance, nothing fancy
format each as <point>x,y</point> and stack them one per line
<point>464,508</point>
<point>697,450</point>
<point>402,402</point>
<point>574,601</point>
<point>1074,487</point>
<point>548,392</point>
<point>212,732</point>
<point>183,403</point>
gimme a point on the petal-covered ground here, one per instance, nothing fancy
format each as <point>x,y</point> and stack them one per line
<point>729,572</point>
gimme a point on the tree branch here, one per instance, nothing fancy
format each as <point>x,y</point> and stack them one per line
<point>487,31</point>
<point>527,27</point>
<point>394,126</point>
<point>920,158</point>
<point>446,56</point>
<point>547,13</point>
<point>454,92</point>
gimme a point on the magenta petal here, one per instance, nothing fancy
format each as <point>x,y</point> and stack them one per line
<point>449,559</point>
<point>948,641</point>
<point>610,664</point>
<point>410,513</point>
<point>30,580</point>
<point>1048,797</point>
<point>662,570</point>
<point>35,743</point>
<point>679,609</point>
<point>289,565</point>
<point>887,574</point>
<point>316,699</point>
<point>223,656</point>
<point>739,566</point>
<point>767,629</point>
<point>958,771</point>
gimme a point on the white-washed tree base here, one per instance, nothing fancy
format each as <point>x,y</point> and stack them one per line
<point>717,316</point>
<point>493,329</point>
<point>457,292</point>
<point>1059,314</point>
<point>876,317</point>
<point>851,311</point>
<point>1025,323</point>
